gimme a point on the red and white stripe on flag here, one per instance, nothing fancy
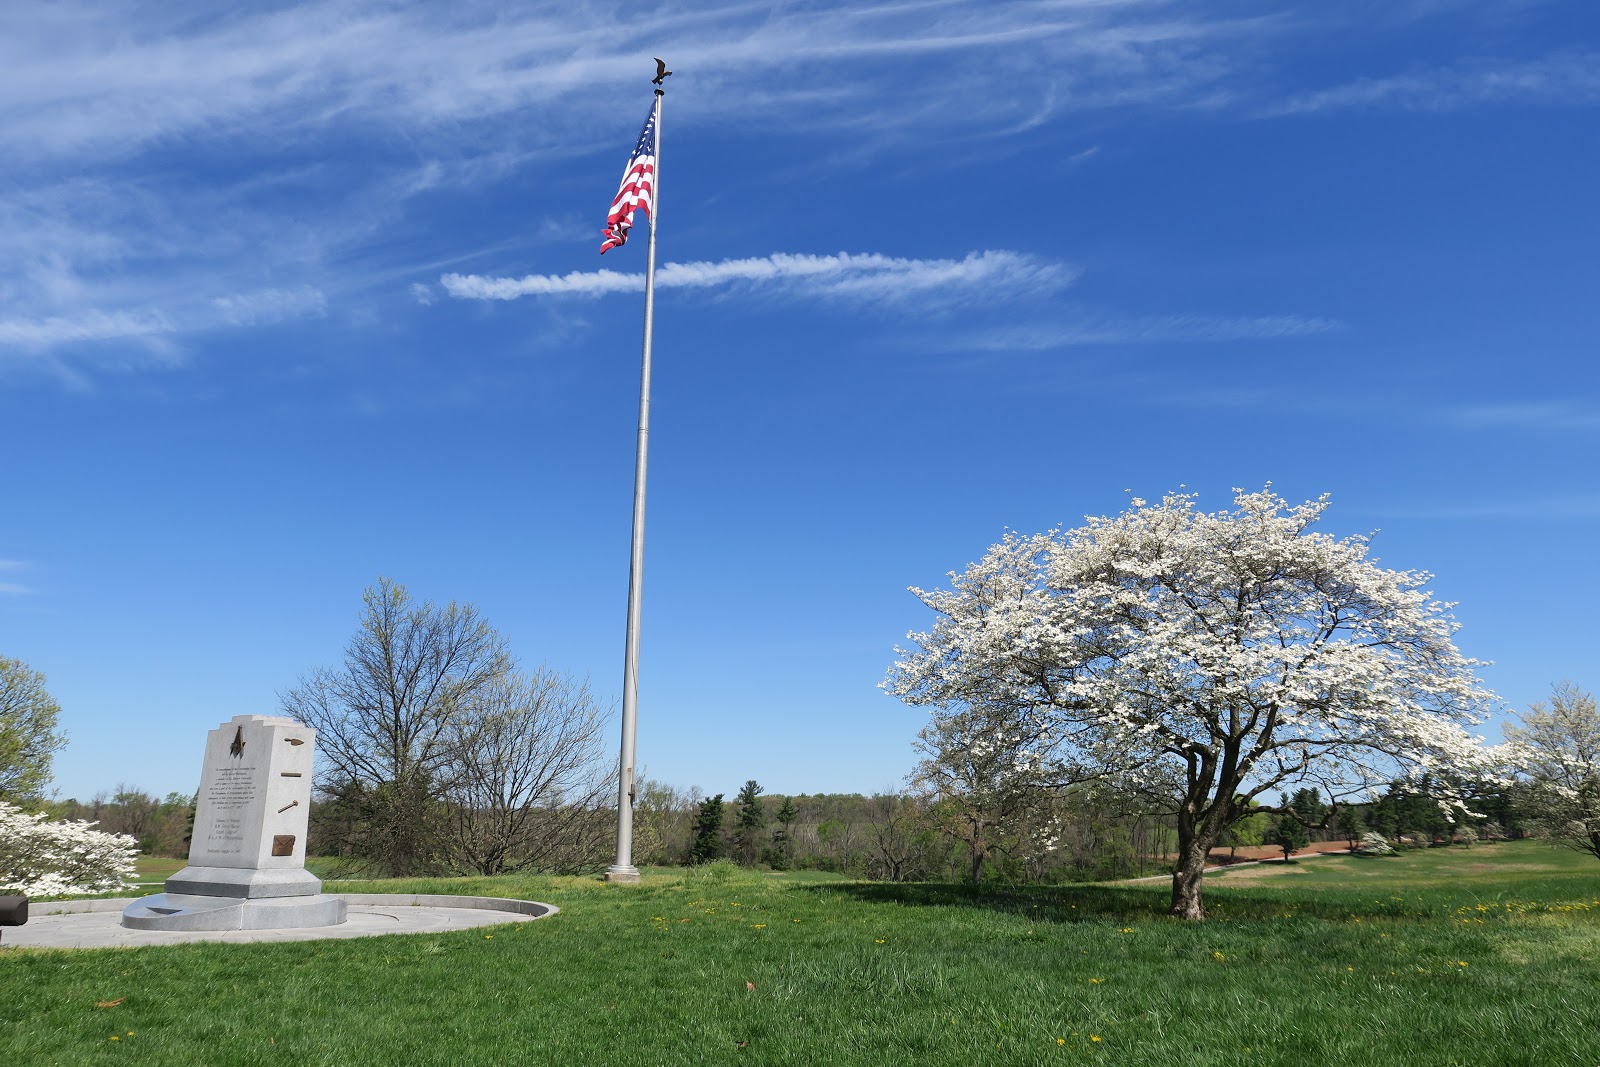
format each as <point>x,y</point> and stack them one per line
<point>638,187</point>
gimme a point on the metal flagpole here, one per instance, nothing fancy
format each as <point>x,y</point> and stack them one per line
<point>624,870</point>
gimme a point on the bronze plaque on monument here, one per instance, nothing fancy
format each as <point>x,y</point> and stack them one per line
<point>283,844</point>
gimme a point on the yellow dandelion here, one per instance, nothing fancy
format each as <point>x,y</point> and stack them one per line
<point>1094,1037</point>
<point>881,941</point>
<point>1061,1041</point>
<point>760,926</point>
<point>1096,981</point>
<point>1463,963</point>
<point>1127,929</point>
<point>114,1037</point>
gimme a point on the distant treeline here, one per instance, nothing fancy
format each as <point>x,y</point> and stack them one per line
<point>1062,836</point>
<point>887,836</point>
<point>161,826</point>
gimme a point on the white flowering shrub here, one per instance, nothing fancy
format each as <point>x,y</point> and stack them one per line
<point>1374,844</point>
<point>39,858</point>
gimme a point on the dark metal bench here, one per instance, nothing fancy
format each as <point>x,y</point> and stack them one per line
<point>13,910</point>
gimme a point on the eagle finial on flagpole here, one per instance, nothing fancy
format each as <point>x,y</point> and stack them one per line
<point>662,74</point>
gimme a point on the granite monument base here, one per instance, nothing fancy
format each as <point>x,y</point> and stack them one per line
<point>183,911</point>
<point>243,882</point>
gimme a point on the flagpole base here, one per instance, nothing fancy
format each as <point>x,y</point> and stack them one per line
<point>618,875</point>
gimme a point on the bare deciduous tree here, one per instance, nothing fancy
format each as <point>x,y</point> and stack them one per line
<point>903,835</point>
<point>387,719</point>
<point>528,777</point>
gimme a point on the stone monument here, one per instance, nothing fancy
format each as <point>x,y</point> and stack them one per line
<point>247,859</point>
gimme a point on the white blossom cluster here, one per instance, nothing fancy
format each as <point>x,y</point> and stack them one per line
<point>1185,653</point>
<point>39,858</point>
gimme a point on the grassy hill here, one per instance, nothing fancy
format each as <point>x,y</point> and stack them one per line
<point>1484,956</point>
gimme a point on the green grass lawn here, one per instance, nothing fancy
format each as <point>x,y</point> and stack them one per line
<point>1486,956</point>
<point>156,869</point>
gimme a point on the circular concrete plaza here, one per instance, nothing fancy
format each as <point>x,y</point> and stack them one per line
<point>97,923</point>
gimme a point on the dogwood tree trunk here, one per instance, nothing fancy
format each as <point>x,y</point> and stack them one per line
<point>1187,882</point>
<point>1200,827</point>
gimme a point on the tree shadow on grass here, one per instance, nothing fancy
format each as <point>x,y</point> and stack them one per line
<point>1102,903</point>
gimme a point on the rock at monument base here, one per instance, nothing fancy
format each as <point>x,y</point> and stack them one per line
<point>179,911</point>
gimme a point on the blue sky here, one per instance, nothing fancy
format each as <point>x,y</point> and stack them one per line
<point>944,268</point>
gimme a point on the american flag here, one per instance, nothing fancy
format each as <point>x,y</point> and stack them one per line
<point>638,187</point>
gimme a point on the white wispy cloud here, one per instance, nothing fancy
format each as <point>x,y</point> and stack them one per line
<point>327,119</point>
<point>93,263</point>
<point>91,325</point>
<point>862,277</point>
<point>1038,337</point>
<point>270,305</point>
<point>10,588</point>
<point>113,76</point>
<point>1563,79</point>
<point>1525,415</point>
<point>318,125</point>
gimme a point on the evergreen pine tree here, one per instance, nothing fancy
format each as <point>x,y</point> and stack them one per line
<point>780,853</point>
<point>1307,803</point>
<point>1291,835</point>
<point>747,824</point>
<point>708,844</point>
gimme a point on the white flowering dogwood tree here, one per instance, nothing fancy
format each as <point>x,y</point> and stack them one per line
<point>1557,746</point>
<point>1204,660</point>
<point>39,858</point>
